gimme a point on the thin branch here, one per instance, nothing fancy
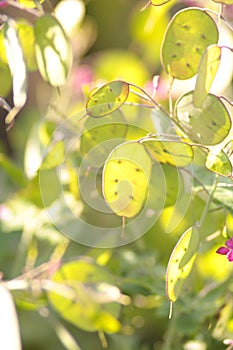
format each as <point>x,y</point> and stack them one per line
<point>226,99</point>
<point>149,98</point>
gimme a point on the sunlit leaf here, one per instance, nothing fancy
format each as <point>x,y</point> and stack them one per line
<point>27,41</point>
<point>85,295</point>
<point>101,135</point>
<point>126,176</point>
<point>53,50</point>
<point>188,35</point>
<point>70,14</point>
<point>175,153</point>
<point>107,99</point>
<point>17,67</point>
<point>54,157</point>
<point>181,262</point>
<point>218,162</point>
<point>208,125</point>
<point>207,70</point>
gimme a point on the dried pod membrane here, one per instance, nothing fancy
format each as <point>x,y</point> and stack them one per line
<point>188,34</point>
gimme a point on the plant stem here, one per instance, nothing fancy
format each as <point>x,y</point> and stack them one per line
<point>65,337</point>
<point>149,98</point>
<point>170,98</point>
<point>169,335</point>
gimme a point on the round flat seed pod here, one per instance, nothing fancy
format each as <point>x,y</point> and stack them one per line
<point>126,177</point>
<point>181,262</point>
<point>107,99</point>
<point>53,50</point>
<point>206,73</point>
<point>176,153</point>
<point>208,125</point>
<point>188,34</point>
<point>218,162</point>
<point>101,136</point>
<point>27,41</point>
<point>17,68</point>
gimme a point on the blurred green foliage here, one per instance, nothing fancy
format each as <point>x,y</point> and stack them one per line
<point>118,290</point>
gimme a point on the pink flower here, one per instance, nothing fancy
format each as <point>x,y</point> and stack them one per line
<point>227,250</point>
<point>3,4</point>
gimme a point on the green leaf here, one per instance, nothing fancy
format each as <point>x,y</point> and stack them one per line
<point>84,294</point>
<point>188,34</point>
<point>107,99</point>
<point>208,125</point>
<point>206,72</point>
<point>17,67</point>
<point>175,153</point>
<point>181,262</point>
<point>218,162</point>
<point>54,157</point>
<point>27,41</point>
<point>13,172</point>
<point>126,177</point>
<point>101,135</point>
<point>53,50</point>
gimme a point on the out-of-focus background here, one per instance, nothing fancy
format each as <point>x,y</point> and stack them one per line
<point>115,39</point>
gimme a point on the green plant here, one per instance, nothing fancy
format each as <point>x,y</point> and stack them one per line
<point>103,188</point>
